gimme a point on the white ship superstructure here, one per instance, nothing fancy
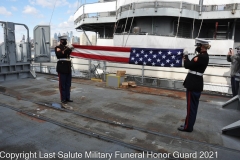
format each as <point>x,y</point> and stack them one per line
<point>167,24</point>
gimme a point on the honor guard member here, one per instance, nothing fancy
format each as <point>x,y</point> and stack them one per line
<point>194,82</point>
<point>64,69</point>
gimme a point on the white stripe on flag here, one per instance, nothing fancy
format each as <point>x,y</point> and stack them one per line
<point>103,53</point>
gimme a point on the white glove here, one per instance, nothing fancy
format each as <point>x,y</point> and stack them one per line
<point>185,52</point>
<point>70,46</point>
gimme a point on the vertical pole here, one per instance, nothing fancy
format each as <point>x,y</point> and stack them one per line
<point>83,12</point>
<point>104,31</point>
<point>234,28</point>
<point>96,40</point>
<point>40,67</point>
<point>116,10</point>
<point>239,95</point>
<point>142,73</point>
<point>89,69</point>
<point>201,6</point>
<point>152,25</point>
<point>104,70</point>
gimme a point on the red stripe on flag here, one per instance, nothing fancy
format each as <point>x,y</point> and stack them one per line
<point>99,57</point>
<point>103,48</point>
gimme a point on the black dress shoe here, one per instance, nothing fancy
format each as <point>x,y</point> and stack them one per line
<point>184,130</point>
<point>69,100</point>
<point>64,102</point>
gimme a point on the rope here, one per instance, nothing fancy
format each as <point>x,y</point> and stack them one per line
<point>200,28</point>
<point>52,12</point>
<point>179,19</point>
<point>115,26</point>
<point>178,23</point>
<point>129,31</point>
<point>193,25</point>
<point>127,18</point>
<point>130,27</point>
<point>126,23</point>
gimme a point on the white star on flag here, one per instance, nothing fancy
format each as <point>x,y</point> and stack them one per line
<point>153,64</point>
<point>159,52</point>
<point>133,58</point>
<point>179,53</point>
<point>150,52</point>
<point>154,56</point>
<point>146,55</point>
<point>173,57</point>
<point>169,53</point>
<point>144,63</point>
<point>158,60</point>
<point>134,51</point>
<point>177,61</point>
<point>136,62</point>
<point>149,60</point>
<point>142,51</point>
<point>172,65</point>
<point>168,61</point>
<point>163,56</point>
<point>162,64</point>
<point>137,55</point>
<point>140,59</point>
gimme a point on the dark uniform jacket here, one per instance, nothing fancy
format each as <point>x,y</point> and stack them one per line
<point>63,66</point>
<point>194,82</point>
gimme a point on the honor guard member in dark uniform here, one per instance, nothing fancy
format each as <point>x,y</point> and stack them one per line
<point>64,69</point>
<point>194,82</point>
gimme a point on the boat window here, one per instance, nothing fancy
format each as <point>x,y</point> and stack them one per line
<point>184,29</point>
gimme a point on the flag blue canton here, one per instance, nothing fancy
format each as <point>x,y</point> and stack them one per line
<point>156,57</point>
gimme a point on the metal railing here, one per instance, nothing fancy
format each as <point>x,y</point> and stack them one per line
<point>95,15</point>
<point>141,79</point>
<point>228,7</point>
<point>156,5</point>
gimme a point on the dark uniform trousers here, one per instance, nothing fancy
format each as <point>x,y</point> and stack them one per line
<point>64,85</point>
<point>192,107</point>
<point>64,71</point>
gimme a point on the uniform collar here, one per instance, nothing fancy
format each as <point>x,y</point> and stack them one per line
<point>203,52</point>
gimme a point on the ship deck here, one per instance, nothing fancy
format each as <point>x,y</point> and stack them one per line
<point>107,120</point>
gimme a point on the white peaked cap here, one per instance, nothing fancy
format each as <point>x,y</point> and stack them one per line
<point>63,37</point>
<point>201,41</point>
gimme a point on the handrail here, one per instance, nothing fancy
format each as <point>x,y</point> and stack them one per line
<point>185,5</point>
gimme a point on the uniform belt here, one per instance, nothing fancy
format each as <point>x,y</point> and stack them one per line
<point>64,59</point>
<point>195,72</point>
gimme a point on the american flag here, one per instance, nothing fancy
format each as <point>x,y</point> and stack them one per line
<point>156,57</point>
<point>139,56</point>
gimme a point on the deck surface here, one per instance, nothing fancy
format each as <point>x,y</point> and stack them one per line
<point>155,110</point>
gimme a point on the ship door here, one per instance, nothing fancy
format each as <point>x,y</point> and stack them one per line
<point>42,51</point>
